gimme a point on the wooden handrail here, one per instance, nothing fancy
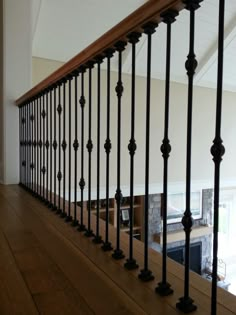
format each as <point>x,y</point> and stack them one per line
<point>150,11</point>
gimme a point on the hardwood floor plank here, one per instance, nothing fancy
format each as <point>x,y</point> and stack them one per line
<point>175,276</point>
<point>69,304</point>
<point>97,290</point>
<point>14,295</point>
<point>68,274</point>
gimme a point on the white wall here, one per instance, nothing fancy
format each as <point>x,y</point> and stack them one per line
<point>203,134</point>
<point>17,45</point>
<point>42,68</point>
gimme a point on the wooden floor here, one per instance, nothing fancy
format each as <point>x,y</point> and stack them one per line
<point>47,267</point>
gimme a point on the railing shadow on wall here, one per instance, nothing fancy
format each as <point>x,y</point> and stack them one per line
<point>52,135</point>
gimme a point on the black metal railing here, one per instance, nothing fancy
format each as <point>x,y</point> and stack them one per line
<point>49,133</point>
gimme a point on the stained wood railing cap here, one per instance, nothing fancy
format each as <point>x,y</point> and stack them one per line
<point>149,12</point>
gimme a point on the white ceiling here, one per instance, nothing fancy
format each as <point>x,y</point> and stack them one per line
<point>65,27</point>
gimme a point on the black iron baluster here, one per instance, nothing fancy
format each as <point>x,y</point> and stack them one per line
<point>21,145</point>
<point>76,146</point>
<point>43,170</point>
<point>64,145</point>
<point>26,149</point>
<point>51,147</point>
<point>97,238</point>
<point>23,148</point>
<point>50,205</point>
<point>69,217</point>
<point>146,274</point>
<point>38,115</point>
<point>20,134</point>
<point>131,262</point>
<point>27,146</point>
<point>24,128</point>
<point>31,145</point>
<point>25,159</point>
<point>35,146</point>
<point>217,151</point>
<point>107,146</point>
<point>89,232</point>
<point>40,146</point>
<point>120,46</point>
<point>163,287</point>
<point>55,150</point>
<point>47,144</point>
<point>186,303</point>
<point>82,181</point>
<point>59,174</point>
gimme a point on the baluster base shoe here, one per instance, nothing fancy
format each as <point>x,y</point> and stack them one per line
<point>81,228</point>
<point>50,205</point>
<point>89,233</point>
<point>131,264</point>
<point>75,223</point>
<point>164,289</point>
<point>63,215</point>
<point>186,305</point>
<point>118,254</point>
<point>146,275</point>
<point>97,239</point>
<point>54,208</point>
<point>68,218</point>
<point>58,212</point>
<point>106,247</point>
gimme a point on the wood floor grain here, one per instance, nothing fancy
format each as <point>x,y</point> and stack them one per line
<point>48,267</point>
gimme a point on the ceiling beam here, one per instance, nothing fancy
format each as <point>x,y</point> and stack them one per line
<point>211,55</point>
